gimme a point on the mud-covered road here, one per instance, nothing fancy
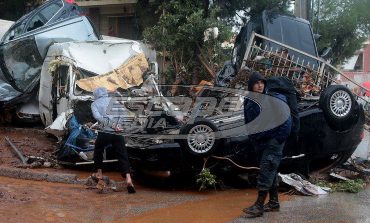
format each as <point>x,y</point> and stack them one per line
<point>35,202</point>
<point>32,201</point>
<point>38,201</point>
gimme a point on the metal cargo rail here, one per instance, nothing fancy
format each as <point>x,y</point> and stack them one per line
<point>309,74</point>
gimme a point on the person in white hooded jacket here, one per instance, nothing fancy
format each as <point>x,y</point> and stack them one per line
<point>107,136</point>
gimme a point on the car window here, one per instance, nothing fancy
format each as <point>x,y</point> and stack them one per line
<point>14,32</point>
<point>71,11</point>
<point>36,22</point>
<point>51,10</point>
<point>44,16</point>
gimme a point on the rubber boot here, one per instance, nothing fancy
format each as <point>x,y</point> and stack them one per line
<point>273,204</point>
<point>256,210</point>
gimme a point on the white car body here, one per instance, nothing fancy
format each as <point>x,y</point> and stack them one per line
<point>95,57</point>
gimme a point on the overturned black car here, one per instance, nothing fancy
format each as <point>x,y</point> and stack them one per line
<point>331,121</point>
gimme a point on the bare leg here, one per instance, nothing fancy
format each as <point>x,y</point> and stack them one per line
<point>99,174</point>
<point>128,179</point>
<point>130,185</point>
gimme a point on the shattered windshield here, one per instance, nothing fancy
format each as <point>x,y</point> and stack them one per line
<point>23,66</point>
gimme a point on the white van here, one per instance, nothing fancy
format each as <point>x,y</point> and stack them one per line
<point>72,70</point>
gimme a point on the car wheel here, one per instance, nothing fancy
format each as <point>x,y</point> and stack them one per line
<point>339,106</point>
<point>200,139</point>
<point>326,163</point>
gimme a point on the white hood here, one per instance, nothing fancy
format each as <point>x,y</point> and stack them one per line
<point>98,57</point>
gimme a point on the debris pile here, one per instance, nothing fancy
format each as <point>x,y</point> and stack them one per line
<point>104,185</point>
<point>303,186</point>
<point>31,161</point>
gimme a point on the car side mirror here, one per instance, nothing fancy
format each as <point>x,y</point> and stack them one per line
<point>316,36</point>
<point>326,53</point>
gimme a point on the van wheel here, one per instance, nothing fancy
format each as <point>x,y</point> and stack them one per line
<point>200,139</point>
<point>339,106</point>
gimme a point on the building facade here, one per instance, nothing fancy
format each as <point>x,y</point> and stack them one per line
<point>358,67</point>
<point>113,17</point>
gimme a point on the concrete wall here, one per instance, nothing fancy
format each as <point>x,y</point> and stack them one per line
<point>121,17</point>
<point>4,26</point>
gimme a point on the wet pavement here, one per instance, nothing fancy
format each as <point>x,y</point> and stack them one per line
<point>363,148</point>
<point>336,207</point>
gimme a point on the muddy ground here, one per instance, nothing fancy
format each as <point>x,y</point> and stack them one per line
<point>30,141</point>
<point>52,202</point>
<point>40,201</point>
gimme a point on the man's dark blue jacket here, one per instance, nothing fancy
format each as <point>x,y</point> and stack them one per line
<point>252,110</point>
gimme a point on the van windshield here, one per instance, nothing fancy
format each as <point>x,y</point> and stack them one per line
<point>294,33</point>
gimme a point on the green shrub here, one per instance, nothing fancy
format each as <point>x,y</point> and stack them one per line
<point>206,179</point>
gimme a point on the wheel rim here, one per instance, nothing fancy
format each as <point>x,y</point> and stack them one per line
<point>201,139</point>
<point>340,103</point>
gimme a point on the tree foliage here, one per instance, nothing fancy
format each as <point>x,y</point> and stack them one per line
<point>179,31</point>
<point>14,9</point>
<point>343,25</point>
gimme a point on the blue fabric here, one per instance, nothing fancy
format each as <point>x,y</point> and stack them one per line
<point>76,131</point>
<point>269,157</point>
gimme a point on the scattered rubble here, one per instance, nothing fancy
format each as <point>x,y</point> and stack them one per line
<point>303,186</point>
<point>31,161</point>
<point>104,185</point>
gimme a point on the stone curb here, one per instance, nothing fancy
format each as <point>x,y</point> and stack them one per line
<point>25,174</point>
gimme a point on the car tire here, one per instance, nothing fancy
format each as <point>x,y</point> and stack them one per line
<point>339,106</point>
<point>201,140</point>
<point>322,165</point>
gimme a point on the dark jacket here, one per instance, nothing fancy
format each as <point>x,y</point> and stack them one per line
<point>252,110</point>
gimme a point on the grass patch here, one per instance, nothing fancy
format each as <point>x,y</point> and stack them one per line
<point>351,186</point>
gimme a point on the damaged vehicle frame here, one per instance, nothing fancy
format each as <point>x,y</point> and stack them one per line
<point>330,118</point>
<point>25,45</point>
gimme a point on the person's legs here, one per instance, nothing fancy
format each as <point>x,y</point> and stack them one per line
<point>273,204</point>
<point>100,143</point>
<point>269,163</point>
<point>121,152</point>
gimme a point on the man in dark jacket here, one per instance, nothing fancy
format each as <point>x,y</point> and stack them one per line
<point>268,146</point>
<point>107,136</point>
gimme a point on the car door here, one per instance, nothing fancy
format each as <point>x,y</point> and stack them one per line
<point>24,47</point>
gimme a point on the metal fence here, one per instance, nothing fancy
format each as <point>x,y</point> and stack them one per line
<point>309,74</point>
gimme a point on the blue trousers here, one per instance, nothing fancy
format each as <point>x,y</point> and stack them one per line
<point>269,154</point>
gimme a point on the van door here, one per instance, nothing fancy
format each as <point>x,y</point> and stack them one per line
<point>62,88</point>
<point>54,94</point>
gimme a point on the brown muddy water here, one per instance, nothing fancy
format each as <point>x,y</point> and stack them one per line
<point>35,202</point>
